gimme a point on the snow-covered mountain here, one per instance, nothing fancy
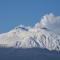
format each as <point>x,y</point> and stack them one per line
<point>39,36</point>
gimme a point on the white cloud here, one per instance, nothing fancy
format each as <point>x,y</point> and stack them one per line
<point>51,22</point>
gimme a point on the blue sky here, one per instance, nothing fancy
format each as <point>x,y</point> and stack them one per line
<point>26,12</point>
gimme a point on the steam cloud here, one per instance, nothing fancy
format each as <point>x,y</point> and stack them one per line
<point>51,22</point>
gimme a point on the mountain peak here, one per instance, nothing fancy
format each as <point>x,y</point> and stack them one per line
<point>22,27</point>
<point>42,35</point>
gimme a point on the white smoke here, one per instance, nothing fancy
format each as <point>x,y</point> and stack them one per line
<point>51,22</point>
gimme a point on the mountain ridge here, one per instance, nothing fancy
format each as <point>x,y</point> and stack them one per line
<point>39,36</point>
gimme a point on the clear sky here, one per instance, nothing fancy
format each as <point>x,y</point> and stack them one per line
<point>27,12</point>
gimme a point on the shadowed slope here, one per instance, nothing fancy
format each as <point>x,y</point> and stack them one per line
<point>28,54</point>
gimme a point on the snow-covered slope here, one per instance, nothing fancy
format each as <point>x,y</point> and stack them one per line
<point>30,37</point>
